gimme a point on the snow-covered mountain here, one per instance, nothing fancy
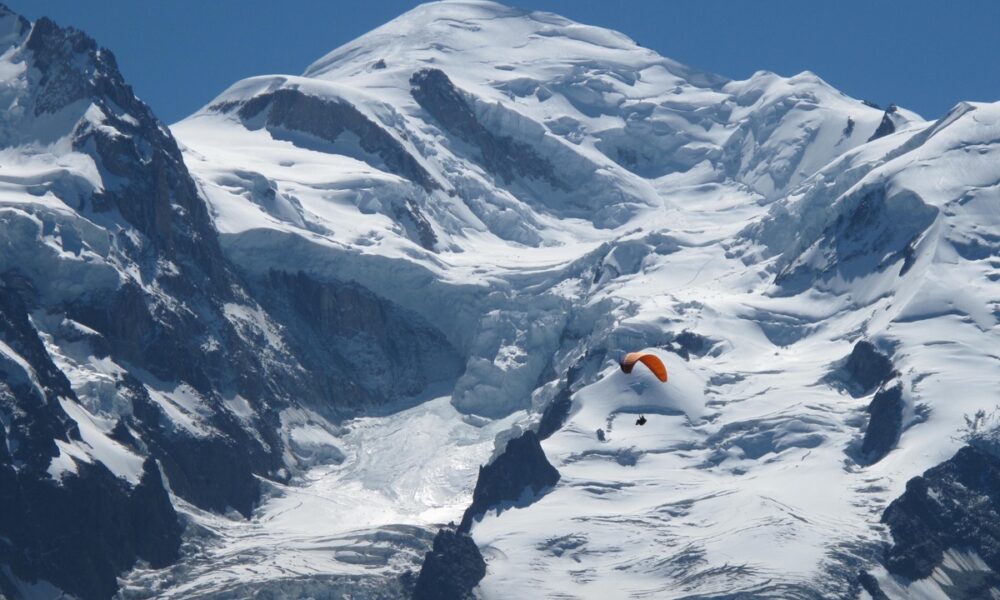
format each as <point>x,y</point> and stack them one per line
<point>140,375</point>
<point>295,333</point>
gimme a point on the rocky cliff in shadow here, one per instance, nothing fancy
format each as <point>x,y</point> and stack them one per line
<point>954,506</point>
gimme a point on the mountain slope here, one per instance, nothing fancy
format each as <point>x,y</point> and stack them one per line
<point>606,191</point>
<point>400,148</point>
<point>114,286</point>
<point>574,123</point>
<point>891,244</point>
<point>139,376</point>
<point>619,200</point>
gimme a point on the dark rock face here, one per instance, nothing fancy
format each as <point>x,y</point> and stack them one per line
<point>416,224</point>
<point>451,570</point>
<point>137,331</point>
<point>849,128</point>
<point>33,417</point>
<point>554,415</point>
<point>296,111</point>
<point>213,473</point>
<point>522,469</point>
<point>364,349</point>
<point>953,505</point>
<point>867,367</point>
<point>885,423</point>
<point>95,527</point>
<point>886,126</point>
<point>501,155</point>
<point>688,343</point>
<point>82,531</point>
<point>870,585</point>
<point>159,539</point>
<point>58,79</point>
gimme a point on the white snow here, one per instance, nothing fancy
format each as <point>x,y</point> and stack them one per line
<point>367,515</point>
<point>693,193</point>
<point>98,446</point>
<point>182,405</point>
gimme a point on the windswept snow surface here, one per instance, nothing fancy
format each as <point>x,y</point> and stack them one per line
<point>644,199</point>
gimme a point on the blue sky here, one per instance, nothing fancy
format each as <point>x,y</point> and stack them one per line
<point>925,55</point>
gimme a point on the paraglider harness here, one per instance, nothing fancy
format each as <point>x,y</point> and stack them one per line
<point>641,420</point>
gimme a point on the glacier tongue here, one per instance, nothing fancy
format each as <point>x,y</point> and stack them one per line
<point>350,526</point>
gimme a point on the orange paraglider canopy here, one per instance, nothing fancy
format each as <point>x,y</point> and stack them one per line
<point>652,362</point>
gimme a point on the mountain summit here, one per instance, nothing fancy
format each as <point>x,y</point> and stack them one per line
<point>552,118</point>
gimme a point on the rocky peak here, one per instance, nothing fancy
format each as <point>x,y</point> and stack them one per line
<point>67,65</point>
<point>517,475</point>
<point>66,87</point>
<point>12,26</point>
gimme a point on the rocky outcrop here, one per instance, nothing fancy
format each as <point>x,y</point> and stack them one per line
<point>451,570</point>
<point>519,474</point>
<point>501,155</point>
<point>82,528</point>
<point>137,153</point>
<point>94,528</point>
<point>885,424</point>
<point>31,385</point>
<point>297,111</point>
<point>215,473</point>
<point>867,368</point>
<point>455,566</point>
<point>362,348</point>
<point>417,227</point>
<point>557,410</point>
<point>886,126</point>
<point>955,505</point>
<point>870,585</point>
<point>555,413</point>
<point>688,343</point>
